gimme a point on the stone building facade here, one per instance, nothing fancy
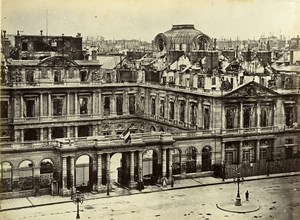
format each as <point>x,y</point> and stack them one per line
<point>61,127</point>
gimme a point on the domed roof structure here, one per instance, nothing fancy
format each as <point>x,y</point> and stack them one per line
<point>182,37</point>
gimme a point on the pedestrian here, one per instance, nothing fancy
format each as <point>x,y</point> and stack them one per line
<point>247,195</point>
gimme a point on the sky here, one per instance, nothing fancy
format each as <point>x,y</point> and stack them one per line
<point>144,19</point>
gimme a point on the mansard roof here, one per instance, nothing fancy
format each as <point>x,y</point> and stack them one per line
<point>251,90</point>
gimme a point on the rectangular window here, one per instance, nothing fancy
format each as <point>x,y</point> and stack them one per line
<point>4,109</point>
<point>119,105</point>
<point>171,80</point>
<point>246,117</point>
<point>206,118</point>
<point>229,157</point>
<point>289,141</point>
<point>30,108</point>
<point>57,106</point>
<point>131,104</point>
<point>162,108</point>
<point>83,75</point>
<point>29,76</point>
<point>182,111</point>
<point>246,156</point>
<point>289,116</point>
<point>213,81</point>
<point>153,106</point>
<point>263,154</point>
<point>171,110</point>
<point>289,152</point>
<point>193,114</point>
<point>106,106</point>
<point>83,102</point>
<point>201,81</point>
<point>57,76</point>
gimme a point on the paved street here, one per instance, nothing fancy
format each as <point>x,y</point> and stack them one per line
<point>279,198</point>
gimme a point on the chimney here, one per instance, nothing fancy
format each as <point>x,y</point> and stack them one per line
<point>215,44</point>
<point>94,55</point>
<point>4,34</point>
<point>41,32</point>
<point>18,33</point>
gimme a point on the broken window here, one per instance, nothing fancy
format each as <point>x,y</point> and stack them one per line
<point>131,104</point>
<point>153,106</point>
<point>4,109</point>
<point>162,108</point>
<point>206,117</point>
<point>83,101</point>
<point>29,76</point>
<point>83,75</point>
<point>171,111</point>
<point>57,76</point>
<point>57,106</point>
<point>229,114</point>
<point>289,116</point>
<point>106,105</point>
<point>247,117</point>
<point>119,105</point>
<point>181,111</point>
<point>30,108</point>
<point>30,135</point>
<point>193,114</point>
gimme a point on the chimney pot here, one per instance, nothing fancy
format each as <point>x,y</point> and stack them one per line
<point>41,32</point>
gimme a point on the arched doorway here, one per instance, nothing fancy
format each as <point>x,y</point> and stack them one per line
<point>152,128</point>
<point>206,158</point>
<point>6,177</point>
<point>26,175</point>
<point>83,173</point>
<point>150,167</point>
<point>115,167</point>
<point>46,171</point>
<point>176,161</point>
<point>191,160</point>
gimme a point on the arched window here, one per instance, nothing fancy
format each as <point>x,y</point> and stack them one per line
<point>6,177</point>
<point>26,175</point>
<point>46,171</point>
<point>176,162</point>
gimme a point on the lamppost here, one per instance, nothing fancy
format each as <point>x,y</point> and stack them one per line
<point>238,180</point>
<point>78,198</point>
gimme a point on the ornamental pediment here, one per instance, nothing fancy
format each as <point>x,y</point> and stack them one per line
<point>58,61</point>
<point>252,89</point>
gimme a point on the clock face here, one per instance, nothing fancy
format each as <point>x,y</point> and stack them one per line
<point>160,44</point>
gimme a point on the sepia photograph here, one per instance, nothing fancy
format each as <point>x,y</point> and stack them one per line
<point>150,110</point>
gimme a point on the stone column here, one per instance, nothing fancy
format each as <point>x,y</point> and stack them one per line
<point>257,156</point>
<point>76,131</point>
<point>21,106</point>
<point>68,132</point>
<point>187,112</point>
<point>131,167</point>
<point>125,103</point>
<point>241,116</point>
<point>223,153</point>
<point>68,104</point>
<point>258,112</point>
<point>64,176</point>
<point>113,105</point>
<point>176,109</point>
<point>15,179</point>
<point>240,152</point>
<point>49,134</point>
<point>99,173</point>
<point>167,103</point>
<point>36,182</point>
<point>164,162</point>
<point>72,174</point>
<point>170,163</point>
<point>140,166</point>
<point>41,104</point>
<point>108,170</point>
<point>199,114</point>
<point>157,102</point>
<point>93,104</point>
<point>49,104</point>
<point>75,103</point>
<point>22,135</point>
<point>100,107</point>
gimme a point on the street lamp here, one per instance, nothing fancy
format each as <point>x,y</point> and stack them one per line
<point>238,180</point>
<point>78,198</point>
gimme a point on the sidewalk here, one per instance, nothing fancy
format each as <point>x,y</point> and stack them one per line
<point>19,203</point>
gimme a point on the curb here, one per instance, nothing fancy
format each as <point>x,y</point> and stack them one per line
<point>160,190</point>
